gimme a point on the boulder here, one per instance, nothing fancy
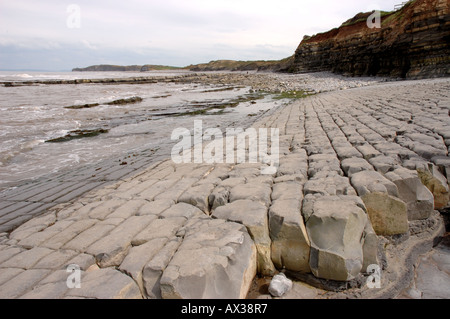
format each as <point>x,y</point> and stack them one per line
<point>216,260</point>
<point>337,228</point>
<point>290,242</point>
<point>419,200</point>
<point>436,183</point>
<point>279,285</point>
<point>254,216</point>
<point>387,213</point>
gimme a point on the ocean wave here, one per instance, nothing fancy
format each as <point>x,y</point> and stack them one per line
<point>23,75</point>
<point>7,155</point>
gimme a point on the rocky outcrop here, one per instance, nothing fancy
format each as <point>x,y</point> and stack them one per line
<point>412,42</point>
<point>123,68</point>
<point>230,65</point>
<point>109,68</point>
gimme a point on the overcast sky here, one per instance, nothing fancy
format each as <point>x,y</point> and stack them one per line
<point>60,35</point>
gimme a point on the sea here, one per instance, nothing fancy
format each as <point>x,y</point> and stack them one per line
<point>49,128</point>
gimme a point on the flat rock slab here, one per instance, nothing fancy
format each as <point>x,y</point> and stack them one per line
<point>433,274</point>
<point>107,283</point>
<point>252,191</point>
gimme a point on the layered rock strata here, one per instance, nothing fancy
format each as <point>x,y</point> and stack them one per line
<point>412,42</point>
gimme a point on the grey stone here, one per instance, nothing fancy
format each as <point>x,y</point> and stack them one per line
<point>106,283</point>
<point>354,165</point>
<point>216,260</point>
<point>154,269</point>
<point>290,243</point>
<point>24,281</point>
<point>328,183</point>
<point>323,162</point>
<point>113,248</point>
<point>347,152</point>
<point>155,207</point>
<point>138,257</point>
<point>280,285</point>
<point>254,216</point>
<point>198,196</point>
<point>252,191</point>
<point>28,258</point>
<point>159,228</point>
<point>368,151</point>
<point>419,200</point>
<point>370,181</point>
<point>384,164</point>
<point>181,210</point>
<point>35,225</point>
<point>287,190</point>
<point>436,183</point>
<point>336,229</point>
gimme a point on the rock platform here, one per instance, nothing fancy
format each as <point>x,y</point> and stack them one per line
<point>361,175</point>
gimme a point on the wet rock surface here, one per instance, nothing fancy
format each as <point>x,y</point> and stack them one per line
<point>147,234</point>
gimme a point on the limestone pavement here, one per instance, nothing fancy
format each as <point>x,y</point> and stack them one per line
<point>361,173</point>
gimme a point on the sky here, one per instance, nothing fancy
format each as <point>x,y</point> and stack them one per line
<point>58,35</point>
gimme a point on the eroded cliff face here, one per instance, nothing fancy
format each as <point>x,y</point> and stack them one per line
<point>413,42</point>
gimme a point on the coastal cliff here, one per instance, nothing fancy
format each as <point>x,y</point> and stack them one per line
<point>413,42</point>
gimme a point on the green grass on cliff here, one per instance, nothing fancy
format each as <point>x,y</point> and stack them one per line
<point>360,17</point>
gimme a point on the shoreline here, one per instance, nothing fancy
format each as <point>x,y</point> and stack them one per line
<point>122,214</point>
<point>265,81</point>
<point>285,87</point>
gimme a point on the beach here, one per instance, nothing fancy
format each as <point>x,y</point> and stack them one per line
<point>138,225</point>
